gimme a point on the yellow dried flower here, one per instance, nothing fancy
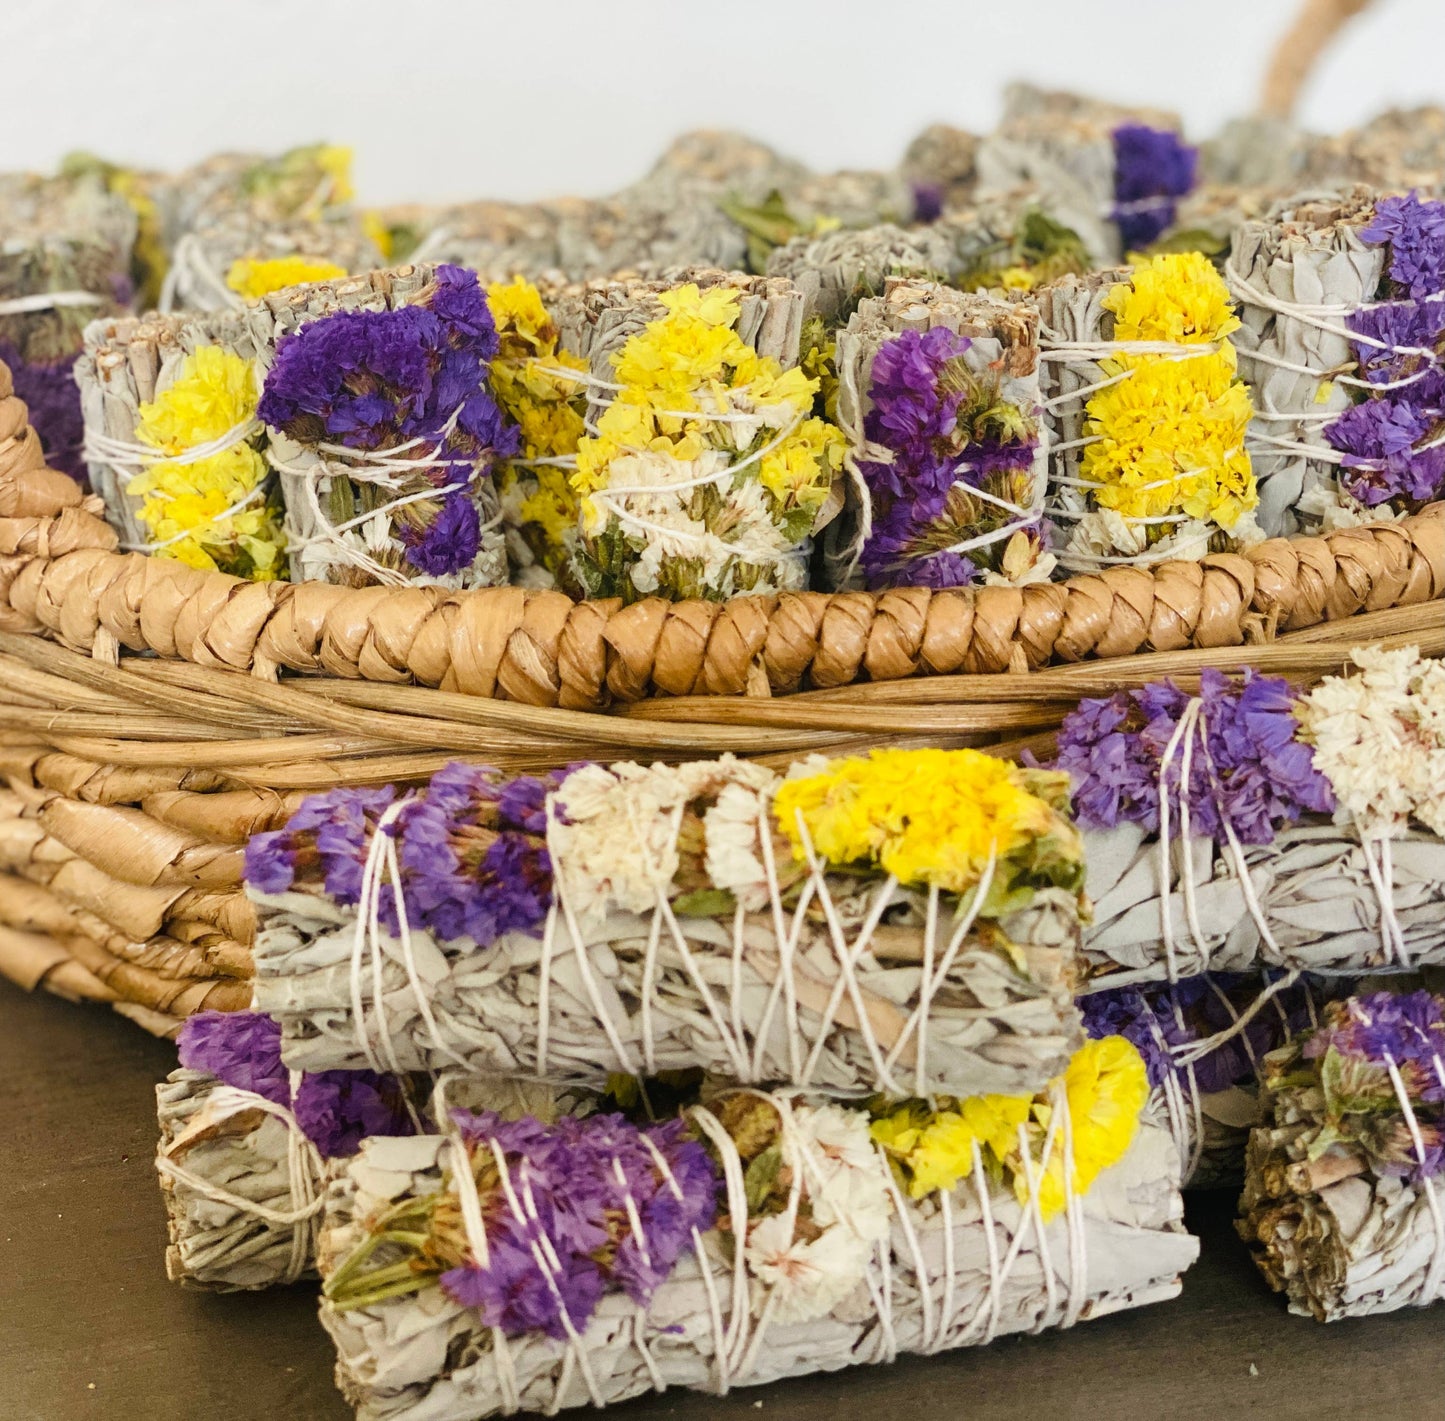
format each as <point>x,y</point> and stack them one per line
<point>185,504</point>
<point>251,279</point>
<point>930,817</point>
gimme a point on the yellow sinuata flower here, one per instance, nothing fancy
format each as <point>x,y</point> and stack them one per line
<point>935,1147</point>
<point>214,392</point>
<point>1107,1086</point>
<point>380,234</point>
<point>540,401</point>
<point>1168,441</point>
<point>251,279</point>
<point>1177,296</point>
<point>925,816</point>
<point>185,503</point>
<point>790,472</point>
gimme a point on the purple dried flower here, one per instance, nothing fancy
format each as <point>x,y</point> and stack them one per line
<point>1249,770</point>
<point>450,541</point>
<point>1384,443</point>
<point>1152,167</point>
<point>53,399</point>
<point>241,1049</point>
<point>1415,232</point>
<point>462,877</point>
<point>948,433</point>
<point>574,1182</point>
<point>413,378</point>
<point>1404,327</point>
<point>927,202</point>
<point>330,832</point>
<point>339,1109</point>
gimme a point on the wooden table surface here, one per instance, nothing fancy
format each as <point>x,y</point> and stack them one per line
<point>90,1328</point>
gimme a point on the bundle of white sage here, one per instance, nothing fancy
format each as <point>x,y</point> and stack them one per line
<point>708,915</point>
<point>1341,1203</point>
<point>758,1237</point>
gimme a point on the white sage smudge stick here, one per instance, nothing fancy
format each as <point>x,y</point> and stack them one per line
<point>659,223</point>
<point>1318,899</point>
<point>941,165</point>
<point>342,507</point>
<point>125,364</point>
<point>995,520</point>
<point>1337,1233</point>
<point>847,983</point>
<point>1395,151</point>
<point>203,259</point>
<point>309,183</point>
<point>639,994</point>
<point>242,1184</point>
<point>839,269</point>
<point>65,257</point>
<point>1295,277</point>
<point>951,1270</point>
<point>1064,145</point>
<point>710,522</point>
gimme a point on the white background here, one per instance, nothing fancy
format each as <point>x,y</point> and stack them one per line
<point>475,98</point>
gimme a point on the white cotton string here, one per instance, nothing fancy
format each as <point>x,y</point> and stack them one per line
<point>1382,877</point>
<point>1197,1050</point>
<point>625,1062</point>
<point>1340,376</point>
<point>734,1340</point>
<point>990,1304</point>
<point>1430,1283</point>
<point>684,536</point>
<point>123,454</point>
<point>304,1169</point>
<point>1181,1121</point>
<point>475,1229</point>
<point>1076,350</point>
<point>1316,316</point>
<point>1165,856</point>
<point>1236,848</point>
<point>370,868</point>
<point>370,939</point>
<point>546,1259</point>
<point>49,301</point>
<point>732,1045</point>
<point>1032,1215</point>
<point>190,257</point>
<point>930,1337</point>
<point>1024,516</point>
<point>704,1263</point>
<point>925,983</point>
<point>1189,550</point>
<point>929,987</point>
<point>408,957</point>
<point>787,946</point>
<point>395,469</point>
<point>847,960</point>
<point>1264,997</point>
<point>1073,1221</point>
<point>1099,351</point>
<point>369,913</point>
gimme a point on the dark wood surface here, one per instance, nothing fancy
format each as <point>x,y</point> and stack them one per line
<point>90,1328</point>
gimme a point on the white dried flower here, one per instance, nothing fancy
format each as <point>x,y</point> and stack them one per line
<point>797,1281</point>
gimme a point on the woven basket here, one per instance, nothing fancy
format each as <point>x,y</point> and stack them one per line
<point>156,716</point>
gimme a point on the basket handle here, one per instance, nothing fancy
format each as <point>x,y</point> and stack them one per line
<point>1316,25</point>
